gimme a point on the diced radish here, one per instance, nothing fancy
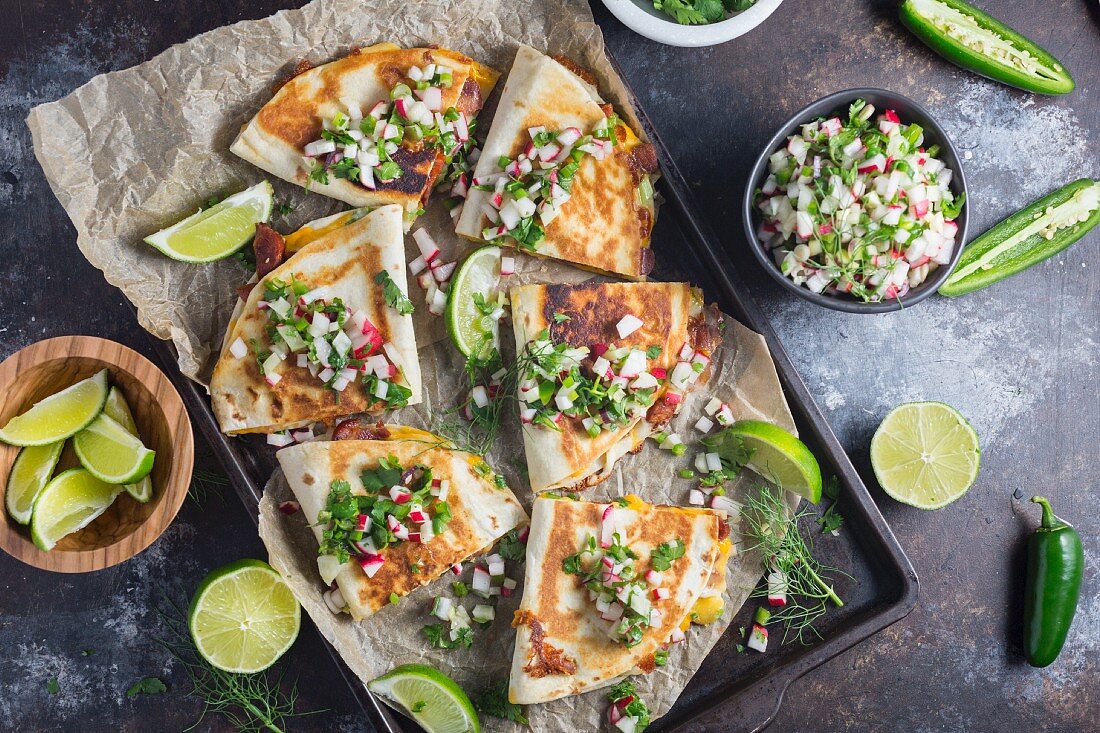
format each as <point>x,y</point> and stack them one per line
<point>400,494</point>
<point>238,348</point>
<point>427,246</point>
<point>371,564</point>
<point>696,498</point>
<point>289,507</point>
<point>272,378</point>
<point>569,136</point>
<point>481,582</point>
<point>713,406</point>
<point>462,128</point>
<point>443,272</point>
<point>627,325</point>
<point>758,638</point>
<point>456,569</point>
<point>607,527</point>
<point>480,396</point>
<point>673,398</point>
<point>704,424</point>
<point>777,589</point>
<point>660,594</point>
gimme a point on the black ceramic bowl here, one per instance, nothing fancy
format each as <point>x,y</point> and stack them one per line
<point>909,111</point>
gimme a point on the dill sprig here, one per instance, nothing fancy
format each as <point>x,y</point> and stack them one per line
<point>251,703</point>
<point>777,534</point>
<point>205,483</point>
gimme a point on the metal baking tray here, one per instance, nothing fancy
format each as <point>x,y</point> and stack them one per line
<point>748,688</point>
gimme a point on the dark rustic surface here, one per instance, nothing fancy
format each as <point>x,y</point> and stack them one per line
<point>1020,360</point>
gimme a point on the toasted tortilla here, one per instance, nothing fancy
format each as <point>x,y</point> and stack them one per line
<point>671,314</point>
<point>275,138</point>
<point>346,261</point>
<point>481,512</point>
<point>603,226</point>
<point>558,628</point>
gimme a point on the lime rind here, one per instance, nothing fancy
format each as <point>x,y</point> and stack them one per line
<point>781,457</point>
<point>243,617</point>
<point>466,325</point>
<point>118,410</point>
<point>29,475</point>
<point>70,502</point>
<point>217,232</point>
<point>446,707</point>
<point>67,412</point>
<point>925,454</point>
<point>111,453</point>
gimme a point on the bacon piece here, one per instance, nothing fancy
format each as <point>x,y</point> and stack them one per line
<point>577,69</point>
<point>469,99</point>
<point>660,413</point>
<point>705,330</point>
<point>301,67</point>
<point>354,429</point>
<point>270,249</point>
<point>245,290</point>
<point>607,109</point>
<point>723,529</point>
<point>643,158</point>
<point>545,659</point>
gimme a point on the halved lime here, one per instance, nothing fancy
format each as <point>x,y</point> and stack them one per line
<point>111,453</point>
<point>219,231</point>
<point>117,409</point>
<point>243,617</point>
<point>60,415</point>
<point>780,457</point>
<point>925,454</point>
<point>474,332</point>
<point>429,697</point>
<point>29,475</point>
<point>71,501</point>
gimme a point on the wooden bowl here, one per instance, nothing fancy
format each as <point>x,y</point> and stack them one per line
<point>128,526</point>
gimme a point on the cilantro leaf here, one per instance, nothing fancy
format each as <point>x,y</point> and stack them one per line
<point>562,318</point>
<point>511,547</point>
<point>682,11</point>
<point>393,294</point>
<point>147,686</point>
<point>663,555</point>
<point>440,638</point>
<point>493,701</point>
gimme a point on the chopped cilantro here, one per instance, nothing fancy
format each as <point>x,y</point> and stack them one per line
<point>439,638</point>
<point>636,708</point>
<point>460,589</point>
<point>418,706</point>
<point>653,352</point>
<point>147,686</point>
<point>663,555</point>
<point>511,547</point>
<point>493,701</point>
<point>562,318</point>
<point>395,297</point>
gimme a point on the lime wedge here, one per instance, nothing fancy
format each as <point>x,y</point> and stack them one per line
<point>116,408</point>
<point>473,332</point>
<point>243,617</point>
<point>29,475</point>
<point>925,454</point>
<point>111,453</point>
<point>60,415</point>
<point>71,501</point>
<point>780,457</point>
<point>429,697</point>
<point>219,231</point>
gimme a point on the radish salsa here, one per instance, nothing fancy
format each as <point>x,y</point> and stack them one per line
<point>859,207</point>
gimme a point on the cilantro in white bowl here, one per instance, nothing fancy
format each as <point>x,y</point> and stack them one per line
<point>691,23</point>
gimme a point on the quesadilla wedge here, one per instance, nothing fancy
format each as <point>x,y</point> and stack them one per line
<point>561,175</point>
<point>393,513</point>
<point>607,586</point>
<point>375,127</point>
<point>600,367</point>
<point>319,336</point>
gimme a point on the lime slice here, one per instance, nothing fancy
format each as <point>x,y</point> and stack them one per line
<point>780,457</point>
<point>473,332</point>
<point>29,475</point>
<point>112,453</point>
<point>71,501</point>
<point>429,697</point>
<point>925,454</point>
<point>243,617</point>
<point>116,408</point>
<point>60,415</point>
<point>219,231</point>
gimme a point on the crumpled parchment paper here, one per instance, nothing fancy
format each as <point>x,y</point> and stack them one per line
<point>133,151</point>
<point>743,375</point>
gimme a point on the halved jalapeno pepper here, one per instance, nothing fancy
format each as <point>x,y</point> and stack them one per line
<point>966,36</point>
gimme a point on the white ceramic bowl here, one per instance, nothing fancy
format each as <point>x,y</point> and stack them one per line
<point>640,17</point>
